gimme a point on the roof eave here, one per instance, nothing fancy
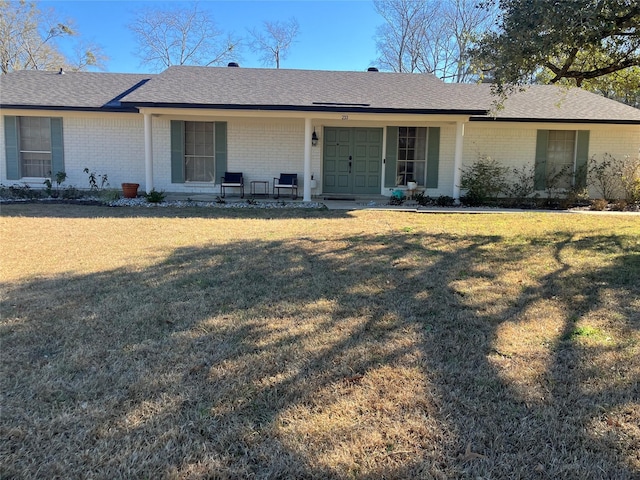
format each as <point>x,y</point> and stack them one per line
<point>308,108</point>
<point>556,120</point>
<point>63,108</point>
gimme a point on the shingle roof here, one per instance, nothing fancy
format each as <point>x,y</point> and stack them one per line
<point>308,90</point>
<point>302,89</point>
<point>551,103</point>
<point>71,90</point>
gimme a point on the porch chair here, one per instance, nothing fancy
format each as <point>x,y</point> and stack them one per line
<point>232,180</point>
<point>287,181</point>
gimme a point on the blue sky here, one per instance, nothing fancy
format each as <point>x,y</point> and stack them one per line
<point>334,35</point>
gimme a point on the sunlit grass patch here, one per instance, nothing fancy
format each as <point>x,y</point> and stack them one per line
<point>198,344</point>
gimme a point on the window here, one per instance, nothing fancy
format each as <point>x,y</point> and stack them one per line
<point>199,152</point>
<point>412,148</point>
<point>561,157</point>
<point>35,146</point>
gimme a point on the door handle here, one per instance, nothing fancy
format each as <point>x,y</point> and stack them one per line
<point>349,163</point>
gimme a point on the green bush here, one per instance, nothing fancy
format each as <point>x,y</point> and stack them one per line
<point>155,196</point>
<point>445,201</point>
<point>520,187</point>
<point>22,192</point>
<point>483,181</point>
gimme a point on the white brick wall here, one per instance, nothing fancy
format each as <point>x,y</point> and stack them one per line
<point>113,144</point>
<point>260,148</point>
<point>514,144</point>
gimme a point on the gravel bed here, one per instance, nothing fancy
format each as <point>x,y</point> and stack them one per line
<point>143,203</point>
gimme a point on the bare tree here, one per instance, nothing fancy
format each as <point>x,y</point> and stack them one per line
<point>28,39</point>
<point>401,38</point>
<point>274,41</point>
<point>181,36</point>
<point>430,36</point>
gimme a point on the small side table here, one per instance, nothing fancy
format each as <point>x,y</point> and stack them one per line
<point>263,190</point>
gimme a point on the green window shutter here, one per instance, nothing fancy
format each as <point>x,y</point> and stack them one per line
<point>12,151</point>
<point>582,157</point>
<point>391,159</point>
<point>540,172</point>
<point>177,151</point>
<point>221,149</point>
<point>433,157</point>
<point>57,146</point>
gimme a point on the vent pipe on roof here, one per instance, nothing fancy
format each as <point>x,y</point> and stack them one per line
<point>372,69</point>
<point>233,64</point>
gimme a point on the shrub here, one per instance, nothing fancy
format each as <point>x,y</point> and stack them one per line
<point>97,182</point>
<point>445,201</point>
<point>483,181</point>
<point>422,199</point>
<point>603,177</point>
<point>599,204</point>
<point>620,206</point>
<point>71,193</point>
<point>630,178</point>
<point>615,178</point>
<point>155,196</point>
<point>109,194</point>
<point>521,186</point>
<point>60,177</point>
<point>16,191</point>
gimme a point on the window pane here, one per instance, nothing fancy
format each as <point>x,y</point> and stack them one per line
<point>412,147</point>
<point>36,164</point>
<point>199,151</point>
<point>560,158</point>
<point>35,146</point>
<point>421,144</point>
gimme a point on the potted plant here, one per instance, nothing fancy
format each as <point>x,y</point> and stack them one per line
<point>130,190</point>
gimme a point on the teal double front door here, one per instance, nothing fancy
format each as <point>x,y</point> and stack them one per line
<point>352,160</point>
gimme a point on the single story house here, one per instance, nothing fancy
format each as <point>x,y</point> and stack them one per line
<point>342,133</point>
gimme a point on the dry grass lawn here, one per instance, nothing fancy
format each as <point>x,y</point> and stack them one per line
<point>192,344</point>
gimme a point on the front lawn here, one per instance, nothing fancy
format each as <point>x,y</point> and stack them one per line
<point>204,343</point>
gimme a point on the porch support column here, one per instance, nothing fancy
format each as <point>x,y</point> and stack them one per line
<point>383,179</point>
<point>306,196</point>
<point>148,152</point>
<point>457,160</point>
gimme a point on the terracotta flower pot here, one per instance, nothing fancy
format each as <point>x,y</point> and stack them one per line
<point>130,190</point>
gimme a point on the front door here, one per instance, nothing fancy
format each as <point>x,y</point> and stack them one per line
<point>352,160</point>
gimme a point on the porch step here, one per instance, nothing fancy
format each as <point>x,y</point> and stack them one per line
<point>347,199</point>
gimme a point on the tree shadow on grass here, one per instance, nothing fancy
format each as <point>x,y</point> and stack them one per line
<point>368,357</point>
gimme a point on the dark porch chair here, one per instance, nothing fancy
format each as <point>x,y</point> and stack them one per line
<point>232,180</point>
<point>287,181</point>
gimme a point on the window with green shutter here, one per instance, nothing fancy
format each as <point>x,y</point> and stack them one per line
<point>415,156</point>
<point>561,159</point>
<point>34,147</point>
<point>198,151</point>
